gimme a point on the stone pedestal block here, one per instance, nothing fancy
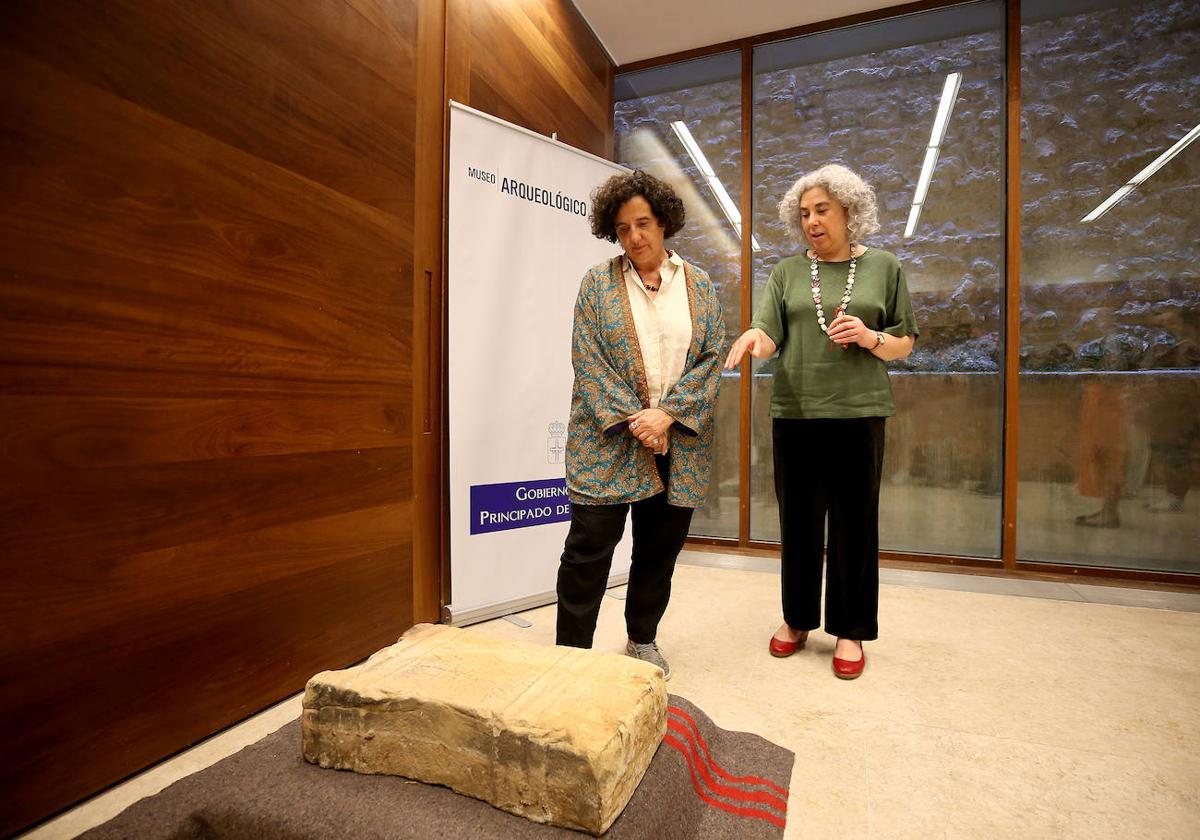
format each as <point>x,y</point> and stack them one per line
<point>555,734</point>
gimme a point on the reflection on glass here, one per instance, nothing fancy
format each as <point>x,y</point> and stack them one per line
<point>1138,179</point>
<point>1110,359</point>
<point>704,98</point>
<point>936,136</point>
<point>732,213</point>
<point>916,106</point>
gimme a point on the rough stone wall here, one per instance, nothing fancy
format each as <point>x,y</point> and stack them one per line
<point>1102,95</point>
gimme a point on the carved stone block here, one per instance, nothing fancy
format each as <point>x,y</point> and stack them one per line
<point>559,735</point>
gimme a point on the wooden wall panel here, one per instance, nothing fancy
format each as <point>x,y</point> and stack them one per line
<point>534,63</point>
<point>206,342</point>
<point>222,443</point>
<point>325,90</point>
<point>430,544</point>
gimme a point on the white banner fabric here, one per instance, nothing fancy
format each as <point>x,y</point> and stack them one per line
<point>519,244</point>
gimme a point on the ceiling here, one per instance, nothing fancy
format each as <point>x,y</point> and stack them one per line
<point>632,30</point>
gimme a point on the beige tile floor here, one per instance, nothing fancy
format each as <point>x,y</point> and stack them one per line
<point>1027,709</point>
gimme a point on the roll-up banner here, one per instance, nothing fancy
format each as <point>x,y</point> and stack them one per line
<point>519,244</point>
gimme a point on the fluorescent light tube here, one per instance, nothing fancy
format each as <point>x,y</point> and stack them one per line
<point>723,199</point>
<point>945,107</point>
<point>931,156</point>
<point>727,206</point>
<point>1108,202</point>
<point>689,143</point>
<point>913,215</point>
<point>940,121</point>
<point>1137,179</point>
<point>1160,161</point>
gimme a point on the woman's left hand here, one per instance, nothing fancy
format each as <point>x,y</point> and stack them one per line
<point>849,329</point>
<point>650,426</point>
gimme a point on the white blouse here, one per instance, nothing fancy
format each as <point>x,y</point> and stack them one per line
<point>663,323</point>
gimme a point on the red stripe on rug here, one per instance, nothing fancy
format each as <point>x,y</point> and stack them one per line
<point>733,793</point>
<point>775,819</point>
<point>755,780</point>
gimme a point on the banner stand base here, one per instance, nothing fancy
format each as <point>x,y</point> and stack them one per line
<point>461,618</point>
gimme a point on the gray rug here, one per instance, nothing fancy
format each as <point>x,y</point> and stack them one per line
<point>703,782</point>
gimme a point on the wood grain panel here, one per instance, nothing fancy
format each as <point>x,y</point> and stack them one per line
<point>534,63</point>
<point>209,320</point>
<point>76,600</point>
<point>139,186</point>
<point>1012,282</point>
<point>98,515</point>
<point>552,76</point>
<point>171,676</point>
<point>68,433</point>
<point>324,90</point>
<point>206,321</point>
<point>430,552</point>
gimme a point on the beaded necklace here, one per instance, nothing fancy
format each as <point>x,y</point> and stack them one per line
<point>645,283</point>
<point>816,293</point>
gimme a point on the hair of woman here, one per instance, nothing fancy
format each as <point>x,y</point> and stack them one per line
<point>609,197</point>
<point>846,187</point>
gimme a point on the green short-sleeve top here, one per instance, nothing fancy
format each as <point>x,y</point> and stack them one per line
<point>811,378</point>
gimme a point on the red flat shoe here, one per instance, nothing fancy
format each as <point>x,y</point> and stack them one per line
<point>782,648</point>
<point>844,669</point>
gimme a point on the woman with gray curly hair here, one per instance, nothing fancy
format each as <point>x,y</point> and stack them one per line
<point>830,399</point>
<point>646,347</point>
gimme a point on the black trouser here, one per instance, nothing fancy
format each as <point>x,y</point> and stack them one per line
<point>659,530</point>
<point>830,467</point>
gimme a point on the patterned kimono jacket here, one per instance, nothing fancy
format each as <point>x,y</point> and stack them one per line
<point>606,464</point>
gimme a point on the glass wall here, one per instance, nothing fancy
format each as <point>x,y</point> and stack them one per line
<point>682,123</point>
<point>1110,307</point>
<point>867,97</point>
<point>1108,443</point>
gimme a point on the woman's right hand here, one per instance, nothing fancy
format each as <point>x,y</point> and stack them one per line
<point>754,340</point>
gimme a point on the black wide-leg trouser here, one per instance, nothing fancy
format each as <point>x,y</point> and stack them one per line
<point>830,468</point>
<point>659,531</point>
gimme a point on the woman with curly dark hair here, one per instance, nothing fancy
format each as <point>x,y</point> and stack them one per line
<point>646,349</point>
